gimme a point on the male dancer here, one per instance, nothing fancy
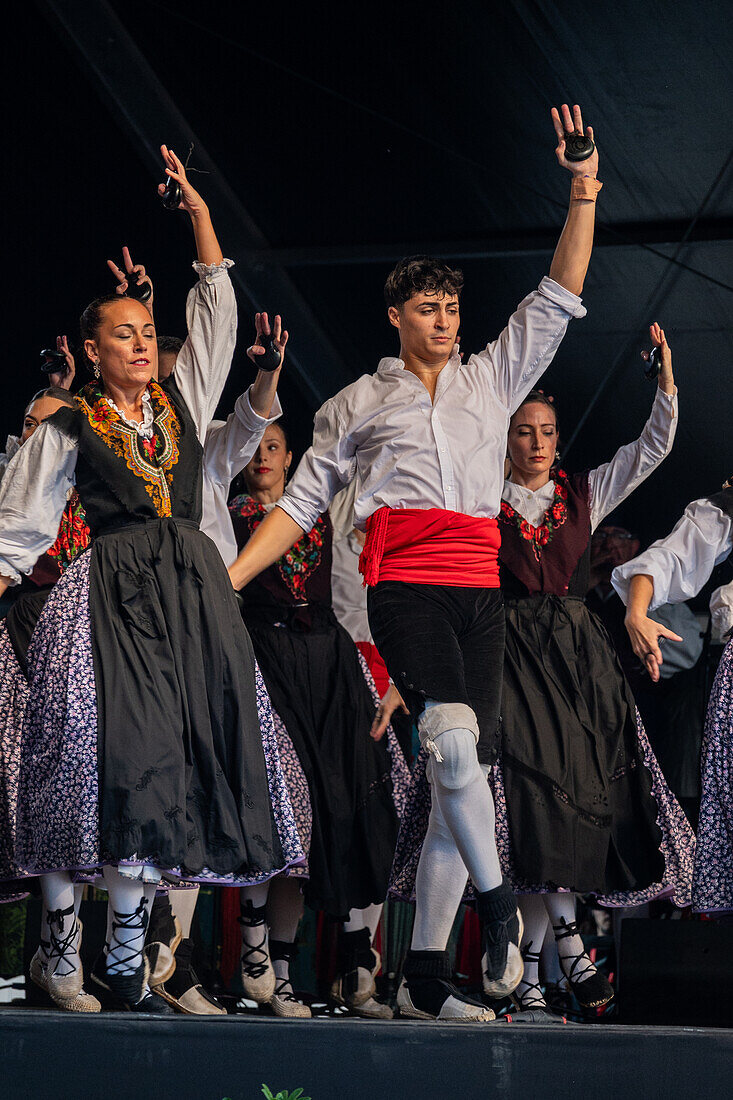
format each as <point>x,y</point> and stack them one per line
<point>426,436</point>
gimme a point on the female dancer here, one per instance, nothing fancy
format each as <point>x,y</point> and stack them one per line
<point>142,749</point>
<point>340,779</point>
<point>581,806</point>
<point>15,630</point>
<point>674,569</point>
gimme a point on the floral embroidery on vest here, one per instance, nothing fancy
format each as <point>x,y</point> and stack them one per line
<point>553,518</point>
<point>73,536</point>
<point>301,560</point>
<point>150,459</point>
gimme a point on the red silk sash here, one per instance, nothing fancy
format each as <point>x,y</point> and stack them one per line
<point>431,546</point>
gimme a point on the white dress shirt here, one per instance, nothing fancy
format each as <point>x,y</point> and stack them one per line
<point>36,484</point>
<point>611,483</point>
<point>448,454</point>
<point>228,448</point>
<point>682,563</point>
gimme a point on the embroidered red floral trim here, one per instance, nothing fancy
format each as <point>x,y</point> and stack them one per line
<point>301,560</point>
<point>553,518</point>
<point>73,536</point>
<point>151,459</point>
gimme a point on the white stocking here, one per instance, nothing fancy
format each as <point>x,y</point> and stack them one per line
<point>561,909</point>
<point>284,910</point>
<point>129,905</point>
<point>459,786</point>
<point>534,915</point>
<point>57,891</point>
<point>439,886</point>
<point>183,904</point>
<point>364,918</point>
<point>255,936</point>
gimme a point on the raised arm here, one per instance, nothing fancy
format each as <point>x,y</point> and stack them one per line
<point>671,570</point>
<point>527,346</point>
<point>572,255</point>
<point>33,495</point>
<point>326,467</point>
<point>207,246</point>
<point>230,444</point>
<point>614,481</point>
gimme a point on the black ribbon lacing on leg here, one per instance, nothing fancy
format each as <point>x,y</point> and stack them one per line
<point>128,954</point>
<point>576,968</point>
<point>61,947</point>
<point>531,995</point>
<point>254,917</point>
<point>285,951</point>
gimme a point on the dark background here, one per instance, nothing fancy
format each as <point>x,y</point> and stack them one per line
<point>353,134</point>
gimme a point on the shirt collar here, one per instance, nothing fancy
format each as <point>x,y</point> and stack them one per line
<point>391,364</point>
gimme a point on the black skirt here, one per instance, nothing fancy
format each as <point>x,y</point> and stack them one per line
<point>581,813</point>
<point>316,684</point>
<point>182,774</point>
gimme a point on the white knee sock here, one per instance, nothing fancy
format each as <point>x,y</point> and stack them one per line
<point>467,805</point>
<point>364,918</point>
<point>128,908</point>
<point>534,915</point>
<point>57,891</point>
<point>183,904</point>
<point>561,909</point>
<point>439,886</point>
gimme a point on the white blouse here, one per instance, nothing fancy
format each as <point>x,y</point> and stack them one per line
<point>681,564</point>
<point>228,448</point>
<point>614,481</point>
<point>35,488</point>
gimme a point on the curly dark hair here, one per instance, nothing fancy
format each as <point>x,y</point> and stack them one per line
<point>418,274</point>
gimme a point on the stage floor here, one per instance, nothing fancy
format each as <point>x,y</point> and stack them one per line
<point>115,1056</point>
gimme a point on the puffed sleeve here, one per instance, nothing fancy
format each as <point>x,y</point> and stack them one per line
<point>682,563</point>
<point>611,483</point>
<point>327,465</point>
<point>33,496</point>
<point>230,444</point>
<point>721,612</point>
<point>527,346</point>
<point>204,360</point>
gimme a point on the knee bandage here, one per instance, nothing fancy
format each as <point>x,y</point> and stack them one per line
<point>449,731</point>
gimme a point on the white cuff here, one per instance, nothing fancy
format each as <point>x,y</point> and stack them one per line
<point>251,420</point>
<point>208,273</point>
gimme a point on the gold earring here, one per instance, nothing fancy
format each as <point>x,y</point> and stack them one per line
<point>97,371</point>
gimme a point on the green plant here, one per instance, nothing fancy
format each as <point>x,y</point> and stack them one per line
<point>283,1095</point>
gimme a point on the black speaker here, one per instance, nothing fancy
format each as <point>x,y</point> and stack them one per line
<point>676,972</point>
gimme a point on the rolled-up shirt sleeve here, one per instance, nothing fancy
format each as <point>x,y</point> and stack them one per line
<point>33,496</point>
<point>325,468</point>
<point>204,360</point>
<point>527,346</point>
<point>612,482</point>
<point>681,564</point>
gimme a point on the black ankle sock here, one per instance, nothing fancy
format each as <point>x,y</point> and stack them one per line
<point>355,949</point>
<point>497,904</point>
<point>428,964</point>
